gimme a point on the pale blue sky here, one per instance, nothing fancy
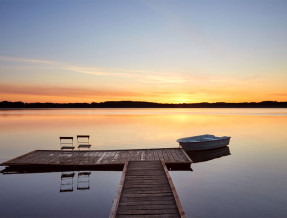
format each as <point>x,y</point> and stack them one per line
<point>145,45</point>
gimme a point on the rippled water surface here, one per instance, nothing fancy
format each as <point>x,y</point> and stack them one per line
<point>246,180</point>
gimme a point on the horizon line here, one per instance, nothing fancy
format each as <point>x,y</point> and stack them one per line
<point>130,101</point>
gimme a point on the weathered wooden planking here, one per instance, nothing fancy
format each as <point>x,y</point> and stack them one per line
<point>98,157</point>
<point>119,191</point>
<point>174,192</point>
<point>146,189</point>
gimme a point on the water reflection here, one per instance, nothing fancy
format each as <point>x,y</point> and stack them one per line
<point>252,180</point>
<point>127,129</point>
<point>83,181</point>
<point>38,195</point>
<point>207,155</point>
<point>67,181</point>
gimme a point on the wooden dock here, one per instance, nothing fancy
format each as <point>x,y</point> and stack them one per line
<point>98,158</point>
<point>146,190</point>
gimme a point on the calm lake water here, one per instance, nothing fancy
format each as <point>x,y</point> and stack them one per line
<point>250,182</point>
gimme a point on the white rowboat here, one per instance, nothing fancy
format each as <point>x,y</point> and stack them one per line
<point>203,142</point>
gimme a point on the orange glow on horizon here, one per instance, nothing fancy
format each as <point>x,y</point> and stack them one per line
<point>169,99</point>
<point>263,89</point>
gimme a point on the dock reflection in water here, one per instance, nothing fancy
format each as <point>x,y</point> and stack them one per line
<point>206,155</point>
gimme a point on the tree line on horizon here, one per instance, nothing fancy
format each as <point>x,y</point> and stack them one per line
<point>143,104</point>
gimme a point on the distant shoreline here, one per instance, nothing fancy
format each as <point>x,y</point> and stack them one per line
<point>140,104</point>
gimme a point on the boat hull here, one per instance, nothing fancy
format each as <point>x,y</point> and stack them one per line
<point>204,145</point>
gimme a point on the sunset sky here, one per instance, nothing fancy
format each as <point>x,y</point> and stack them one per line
<point>162,51</point>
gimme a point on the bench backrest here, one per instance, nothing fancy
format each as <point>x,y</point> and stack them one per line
<point>66,138</point>
<point>83,136</point>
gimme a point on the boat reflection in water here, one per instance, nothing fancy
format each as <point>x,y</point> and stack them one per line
<point>206,155</point>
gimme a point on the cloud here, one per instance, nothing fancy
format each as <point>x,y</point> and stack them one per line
<point>34,90</point>
<point>16,59</point>
<point>140,75</point>
<point>279,94</point>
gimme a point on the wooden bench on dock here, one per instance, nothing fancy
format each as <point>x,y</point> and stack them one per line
<point>66,143</point>
<point>85,143</point>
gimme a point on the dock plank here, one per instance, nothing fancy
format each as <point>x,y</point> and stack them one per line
<point>99,157</point>
<point>146,189</point>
